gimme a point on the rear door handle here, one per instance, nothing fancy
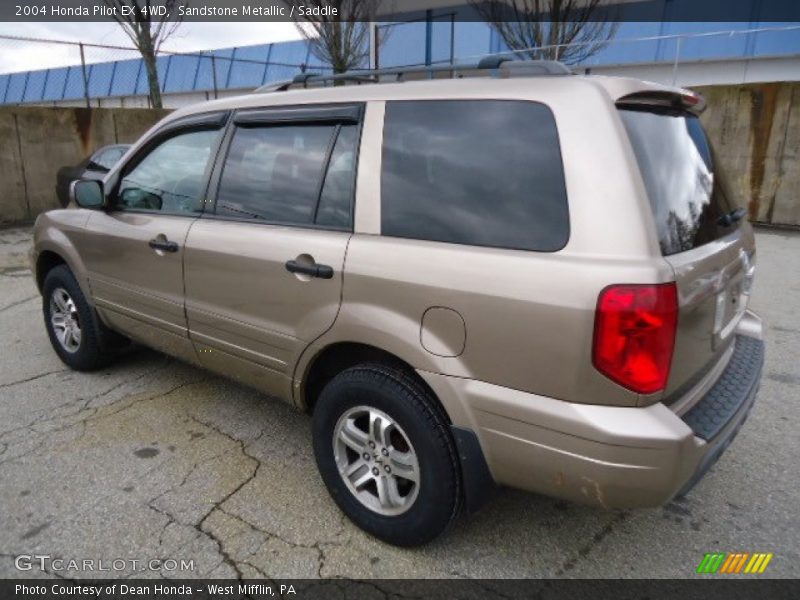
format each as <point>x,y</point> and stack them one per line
<point>321,271</point>
<point>163,245</point>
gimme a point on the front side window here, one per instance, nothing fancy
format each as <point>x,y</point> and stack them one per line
<point>171,177</point>
<point>478,172</point>
<point>293,174</point>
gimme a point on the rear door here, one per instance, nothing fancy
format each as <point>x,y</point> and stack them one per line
<point>703,236</point>
<point>134,251</point>
<point>263,273</point>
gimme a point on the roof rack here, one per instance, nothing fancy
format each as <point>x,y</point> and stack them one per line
<point>496,65</point>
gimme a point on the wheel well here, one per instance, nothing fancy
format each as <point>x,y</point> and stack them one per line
<point>337,357</point>
<point>47,261</point>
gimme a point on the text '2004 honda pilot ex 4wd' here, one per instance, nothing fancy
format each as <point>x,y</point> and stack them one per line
<point>516,276</point>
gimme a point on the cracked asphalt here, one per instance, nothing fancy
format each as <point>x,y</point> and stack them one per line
<point>152,458</point>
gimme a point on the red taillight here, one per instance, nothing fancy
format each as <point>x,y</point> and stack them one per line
<point>634,335</point>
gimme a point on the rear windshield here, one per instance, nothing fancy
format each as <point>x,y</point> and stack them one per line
<point>687,193</point>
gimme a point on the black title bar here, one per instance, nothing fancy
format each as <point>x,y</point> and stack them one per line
<point>740,11</point>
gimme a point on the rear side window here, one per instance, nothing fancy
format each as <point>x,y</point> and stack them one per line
<point>477,172</point>
<point>687,193</point>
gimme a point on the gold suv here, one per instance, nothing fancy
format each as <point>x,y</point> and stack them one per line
<point>516,276</point>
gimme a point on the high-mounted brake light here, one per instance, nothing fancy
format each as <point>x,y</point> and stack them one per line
<point>634,335</point>
<point>690,99</point>
<point>686,100</point>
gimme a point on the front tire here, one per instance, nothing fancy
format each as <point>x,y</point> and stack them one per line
<point>386,454</point>
<point>71,324</point>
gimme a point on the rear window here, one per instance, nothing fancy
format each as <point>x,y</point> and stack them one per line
<point>687,192</point>
<point>478,172</point>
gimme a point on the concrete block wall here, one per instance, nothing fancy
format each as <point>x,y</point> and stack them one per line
<point>754,127</point>
<point>756,131</point>
<point>36,141</point>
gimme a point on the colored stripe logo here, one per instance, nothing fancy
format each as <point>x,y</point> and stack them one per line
<point>734,563</point>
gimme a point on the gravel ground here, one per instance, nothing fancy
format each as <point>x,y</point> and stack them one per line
<point>152,458</point>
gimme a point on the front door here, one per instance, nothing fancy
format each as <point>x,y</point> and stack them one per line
<point>134,251</point>
<point>264,272</point>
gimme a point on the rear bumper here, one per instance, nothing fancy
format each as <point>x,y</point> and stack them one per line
<point>604,455</point>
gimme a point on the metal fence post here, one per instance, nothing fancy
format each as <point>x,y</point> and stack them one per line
<point>428,38</point>
<point>214,74</point>
<point>677,59</point>
<point>453,38</point>
<point>377,47</point>
<point>85,78</point>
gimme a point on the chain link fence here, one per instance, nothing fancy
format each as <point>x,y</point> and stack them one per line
<point>672,58</point>
<point>61,73</point>
<point>98,75</point>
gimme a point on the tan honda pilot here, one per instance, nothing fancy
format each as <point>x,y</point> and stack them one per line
<point>497,274</point>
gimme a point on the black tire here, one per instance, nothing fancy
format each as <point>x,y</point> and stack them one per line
<point>92,351</point>
<point>412,408</point>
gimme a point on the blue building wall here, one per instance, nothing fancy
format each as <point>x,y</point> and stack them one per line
<point>438,40</point>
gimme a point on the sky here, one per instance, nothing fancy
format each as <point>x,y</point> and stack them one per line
<point>25,56</point>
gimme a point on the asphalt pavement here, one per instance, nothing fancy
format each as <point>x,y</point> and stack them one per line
<point>152,459</point>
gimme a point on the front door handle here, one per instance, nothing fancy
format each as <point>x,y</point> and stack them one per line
<point>163,245</point>
<point>321,271</point>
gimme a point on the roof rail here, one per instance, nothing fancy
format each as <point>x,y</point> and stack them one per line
<point>492,61</point>
<point>499,65</point>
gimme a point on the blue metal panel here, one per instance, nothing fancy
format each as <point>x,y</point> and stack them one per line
<point>142,84</point>
<point>619,51</point>
<point>223,65</point>
<point>113,74</point>
<point>181,74</point>
<point>35,86</point>
<point>125,77</point>
<point>73,86</point>
<point>403,44</point>
<point>767,43</point>
<point>16,87</point>
<point>54,88</point>
<point>706,47</point>
<point>472,40</point>
<point>163,71</point>
<point>204,79</point>
<point>3,87</point>
<point>265,71</point>
<point>292,54</point>
<point>99,79</point>
<point>233,61</point>
<point>442,40</point>
<point>244,73</point>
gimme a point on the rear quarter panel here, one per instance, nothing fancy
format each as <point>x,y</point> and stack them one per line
<point>529,317</point>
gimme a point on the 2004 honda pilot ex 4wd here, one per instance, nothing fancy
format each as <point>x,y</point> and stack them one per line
<point>532,279</point>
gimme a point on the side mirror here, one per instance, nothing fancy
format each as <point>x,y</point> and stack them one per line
<point>87,193</point>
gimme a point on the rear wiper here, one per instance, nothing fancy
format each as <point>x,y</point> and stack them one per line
<point>732,217</point>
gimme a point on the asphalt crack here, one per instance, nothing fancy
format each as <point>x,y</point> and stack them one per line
<point>221,549</point>
<point>595,540</point>
<point>94,414</point>
<point>18,303</point>
<point>32,378</point>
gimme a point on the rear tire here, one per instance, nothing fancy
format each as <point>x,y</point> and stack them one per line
<point>75,332</point>
<point>385,452</point>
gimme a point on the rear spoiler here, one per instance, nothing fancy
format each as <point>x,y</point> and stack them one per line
<point>684,101</point>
